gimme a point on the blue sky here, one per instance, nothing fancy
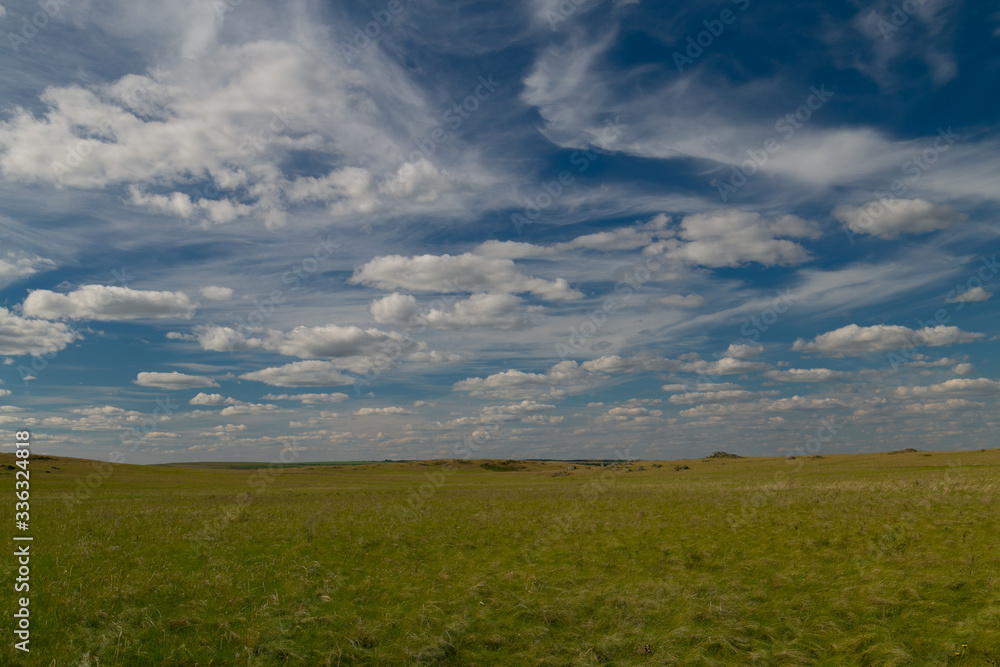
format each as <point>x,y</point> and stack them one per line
<point>236,230</point>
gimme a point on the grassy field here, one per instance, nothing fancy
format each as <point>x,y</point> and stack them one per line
<point>883,559</point>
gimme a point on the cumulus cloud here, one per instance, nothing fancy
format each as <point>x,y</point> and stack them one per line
<point>179,204</point>
<point>853,340</point>
<point>307,399</point>
<point>807,375</point>
<point>18,265</point>
<point>19,335</point>
<point>731,237</point>
<point>633,411</point>
<point>923,361</point>
<point>728,396</point>
<point>635,364</point>
<point>524,408</point>
<point>222,429</point>
<point>216,293</point>
<point>493,311</point>
<point>390,410</point>
<point>971,295</point>
<point>211,399</point>
<point>743,350</point>
<point>235,407</point>
<point>724,366</point>
<point>241,408</point>
<point>889,218</point>
<point>623,238</point>
<point>173,380</point>
<point>332,341</point>
<point>354,348</point>
<point>631,237</point>
<point>223,339</point>
<point>564,378</point>
<point>942,406</point>
<point>394,308</point>
<point>197,125</point>
<point>467,272</point>
<point>108,303</point>
<point>701,386</point>
<point>512,250</point>
<point>953,386</point>
<point>963,369</point>
<point>301,374</point>
<point>764,405</point>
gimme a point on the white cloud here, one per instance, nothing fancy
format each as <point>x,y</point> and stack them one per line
<point>888,218</point>
<point>971,295</point>
<point>352,346</point>
<point>634,364</point>
<point>16,266</point>
<point>307,399</point>
<point>730,237</point>
<point>235,407</point>
<point>394,308</point>
<point>942,406</point>
<point>563,378</point>
<point>173,380</point>
<point>729,396</point>
<point>301,374</point>
<point>623,238</point>
<point>459,273</point>
<point>953,386</point>
<point>923,361</point>
<point>109,304</point>
<point>223,430</point>
<point>679,301</point>
<point>578,85</point>
<point>701,386</point>
<point>356,190</point>
<point>211,399</point>
<point>633,411</point>
<point>963,369</point>
<point>241,408</point>
<point>99,410</point>
<point>852,340</point>
<point>743,351</point>
<point>807,375</point>
<point>196,123</point>
<point>224,339</point>
<point>5,392</point>
<point>390,410</point>
<point>332,341</point>
<point>216,293</point>
<point>724,366</point>
<point>493,311</point>
<point>525,407</point>
<point>512,250</point>
<point>19,335</point>
<point>763,405</point>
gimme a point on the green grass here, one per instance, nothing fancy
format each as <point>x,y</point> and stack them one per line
<point>839,560</point>
<point>253,465</point>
